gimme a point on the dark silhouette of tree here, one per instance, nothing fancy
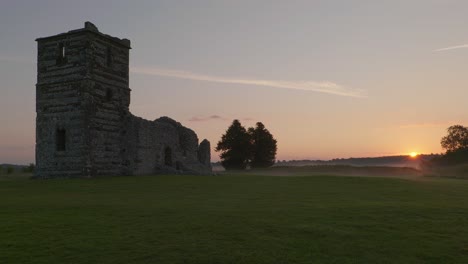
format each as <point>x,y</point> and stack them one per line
<point>456,139</point>
<point>456,145</point>
<point>263,147</point>
<point>29,168</point>
<point>234,147</point>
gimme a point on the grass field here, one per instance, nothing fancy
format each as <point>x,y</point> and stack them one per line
<point>233,219</point>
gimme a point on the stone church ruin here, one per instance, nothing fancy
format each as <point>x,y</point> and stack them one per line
<point>83,124</point>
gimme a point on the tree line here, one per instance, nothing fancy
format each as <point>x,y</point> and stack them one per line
<point>256,147</point>
<point>455,158</point>
<point>241,148</point>
<point>455,143</point>
<point>9,169</point>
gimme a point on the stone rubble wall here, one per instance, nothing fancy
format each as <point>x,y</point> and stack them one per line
<point>87,95</point>
<point>59,109</point>
<point>147,141</point>
<point>59,101</point>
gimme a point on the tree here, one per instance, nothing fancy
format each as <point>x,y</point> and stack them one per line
<point>263,147</point>
<point>29,169</point>
<point>235,147</point>
<point>456,145</point>
<point>456,139</point>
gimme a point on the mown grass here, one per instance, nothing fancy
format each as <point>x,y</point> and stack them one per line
<point>234,219</point>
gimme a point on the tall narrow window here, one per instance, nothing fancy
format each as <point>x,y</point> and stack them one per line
<point>109,94</point>
<point>109,57</point>
<point>61,140</point>
<point>63,51</point>
<point>61,54</point>
<point>168,156</point>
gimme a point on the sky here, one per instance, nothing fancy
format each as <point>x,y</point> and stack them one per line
<point>329,79</point>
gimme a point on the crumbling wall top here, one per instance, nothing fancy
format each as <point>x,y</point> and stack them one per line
<point>90,27</point>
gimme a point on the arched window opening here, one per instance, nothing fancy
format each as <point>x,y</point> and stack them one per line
<point>61,140</point>
<point>61,54</point>
<point>168,157</point>
<point>109,57</point>
<point>109,94</point>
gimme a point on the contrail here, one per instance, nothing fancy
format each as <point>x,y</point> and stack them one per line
<point>322,87</point>
<point>453,47</point>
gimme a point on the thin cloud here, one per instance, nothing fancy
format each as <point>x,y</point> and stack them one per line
<point>464,46</point>
<point>321,87</point>
<point>208,118</point>
<point>429,124</point>
<point>421,125</point>
<point>216,117</point>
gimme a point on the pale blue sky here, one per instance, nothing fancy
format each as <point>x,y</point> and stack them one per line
<point>194,59</point>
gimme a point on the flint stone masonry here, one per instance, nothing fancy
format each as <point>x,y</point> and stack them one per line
<point>83,124</point>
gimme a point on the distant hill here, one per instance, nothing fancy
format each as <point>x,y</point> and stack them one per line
<point>14,166</point>
<point>390,161</point>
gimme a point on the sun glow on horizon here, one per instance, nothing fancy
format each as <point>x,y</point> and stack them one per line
<point>413,154</point>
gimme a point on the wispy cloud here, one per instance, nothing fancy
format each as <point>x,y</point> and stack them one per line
<point>322,87</point>
<point>464,46</point>
<point>207,118</point>
<point>216,117</point>
<point>430,124</point>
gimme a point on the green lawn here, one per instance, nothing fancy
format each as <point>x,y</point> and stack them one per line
<point>234,219</point>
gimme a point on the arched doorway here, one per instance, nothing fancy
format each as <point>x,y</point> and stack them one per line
<point>168,156</point>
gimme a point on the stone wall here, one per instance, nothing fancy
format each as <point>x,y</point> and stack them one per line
<point>83,100</point>
<point>162,146</point>
<point>59,97</point>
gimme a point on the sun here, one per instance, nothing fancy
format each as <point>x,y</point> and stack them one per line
<point>413,154</point>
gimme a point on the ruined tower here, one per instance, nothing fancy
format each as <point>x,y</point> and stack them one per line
<point>83,124</point>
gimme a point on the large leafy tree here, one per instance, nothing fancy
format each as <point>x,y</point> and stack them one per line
<point>456,139</point>
<point>235,147</point>
<point>263,147</point>
<point>456,145</point>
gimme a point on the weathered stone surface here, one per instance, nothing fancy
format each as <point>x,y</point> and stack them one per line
<point>90,26</point>
<point>83,124</point>
<point>204,153</point>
